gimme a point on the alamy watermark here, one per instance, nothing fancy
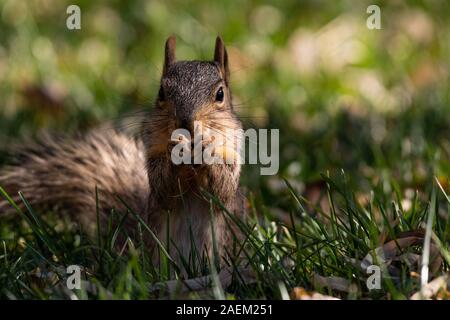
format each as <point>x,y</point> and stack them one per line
<point>230,146</point>
<point>73,21</point>
<point>373,282</point>
<point>374,20</point>
<point>74,279</point>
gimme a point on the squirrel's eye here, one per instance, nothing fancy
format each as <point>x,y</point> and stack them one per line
<point>161,94</point>
<point>219,95</point>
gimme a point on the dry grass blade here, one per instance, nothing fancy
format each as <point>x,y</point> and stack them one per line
<point>299,293</point>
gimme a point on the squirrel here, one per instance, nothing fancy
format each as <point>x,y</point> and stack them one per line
<point>65,172</point>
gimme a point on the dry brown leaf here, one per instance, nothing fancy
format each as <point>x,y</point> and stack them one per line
<point>393,251</point>
<point>431,289</point>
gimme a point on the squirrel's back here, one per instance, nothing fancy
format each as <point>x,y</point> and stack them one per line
<point>66,172</point>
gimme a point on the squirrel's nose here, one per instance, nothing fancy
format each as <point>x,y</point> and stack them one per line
<point>185,123</point>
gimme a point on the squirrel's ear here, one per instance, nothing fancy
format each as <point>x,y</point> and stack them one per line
<point>169,54</point>
<point>221,57</point>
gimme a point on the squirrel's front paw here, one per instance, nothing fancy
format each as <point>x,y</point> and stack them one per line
<point>215,153</point>
<point>227,154</point>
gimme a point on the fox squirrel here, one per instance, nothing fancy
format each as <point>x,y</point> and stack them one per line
<point>65,172</point>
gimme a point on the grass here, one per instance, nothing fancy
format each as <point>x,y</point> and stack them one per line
<point>313,249</point>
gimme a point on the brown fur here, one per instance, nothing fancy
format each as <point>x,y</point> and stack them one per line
<point>65,172</point>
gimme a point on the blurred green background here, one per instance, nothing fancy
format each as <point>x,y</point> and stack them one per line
<point>372,102</point>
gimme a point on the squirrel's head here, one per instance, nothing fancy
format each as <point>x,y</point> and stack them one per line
<point>195,90</point>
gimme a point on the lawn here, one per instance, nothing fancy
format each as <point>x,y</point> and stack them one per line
<point>364,120</point>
